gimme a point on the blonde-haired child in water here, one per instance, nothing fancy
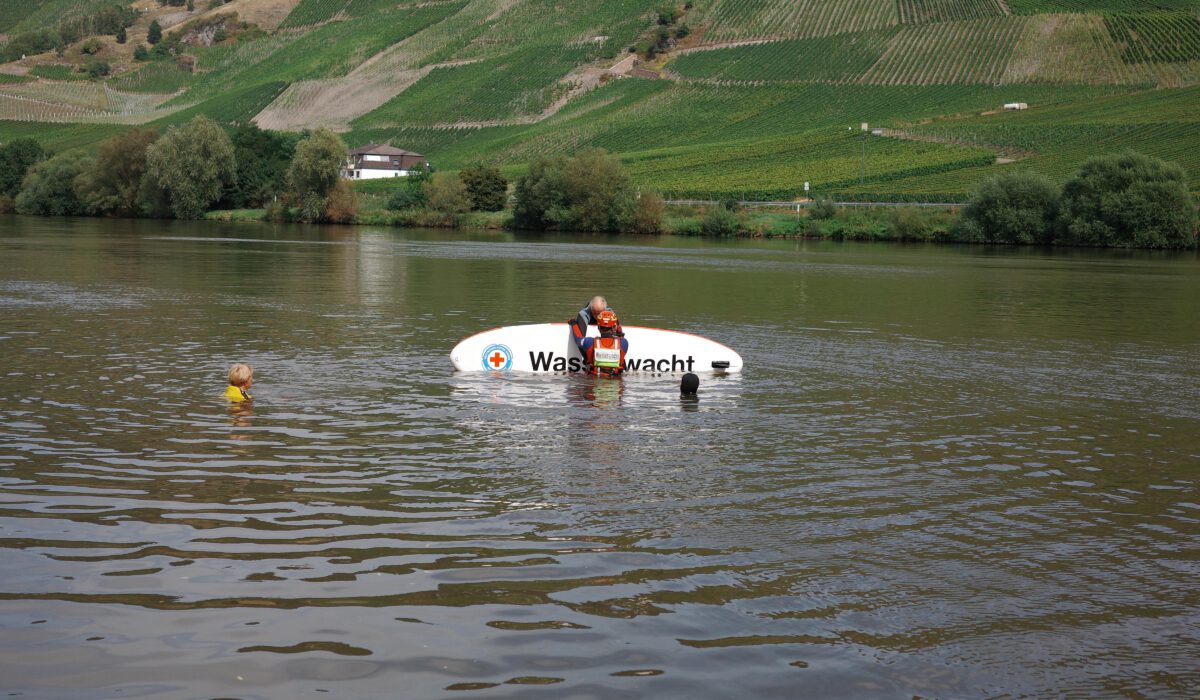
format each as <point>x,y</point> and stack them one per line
<point>241,376</point>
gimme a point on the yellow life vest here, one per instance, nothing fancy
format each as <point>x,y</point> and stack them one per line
<point>607,353</point>
<point>236,394</point>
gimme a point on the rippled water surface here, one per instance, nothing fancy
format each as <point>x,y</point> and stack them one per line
<point>946,472</point>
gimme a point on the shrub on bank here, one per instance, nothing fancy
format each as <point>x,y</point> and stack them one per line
<point>908,224</point>
<point>447,194</point>
<point>823,208</point>
<point>486,187</point>
<point>720,220</point>
<point>858,226</point>
<point>16,158</point>
<point>406,198</point>
<point>589,192</point>
<point>648,213</point>
<point>1015,207</point>
<point>111,185</point>
<point>412,193</point>
<point>49,186</point>
<point>341,204</point>
<point>1128,200</point>
<point>263,158</point>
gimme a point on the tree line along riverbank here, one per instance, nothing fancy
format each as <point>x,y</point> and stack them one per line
<point>201,170</point>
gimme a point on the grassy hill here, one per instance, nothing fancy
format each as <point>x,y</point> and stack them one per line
<point>754,98</point>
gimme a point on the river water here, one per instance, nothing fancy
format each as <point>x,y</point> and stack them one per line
<point>953,472</point>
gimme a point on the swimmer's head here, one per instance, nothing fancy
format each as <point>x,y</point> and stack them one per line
<point>599,304</point>
<point>241,375</point>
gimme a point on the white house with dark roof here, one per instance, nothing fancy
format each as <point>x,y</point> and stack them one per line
<point>373,161</point>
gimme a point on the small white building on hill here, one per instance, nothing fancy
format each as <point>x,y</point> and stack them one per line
<point>373,161</point>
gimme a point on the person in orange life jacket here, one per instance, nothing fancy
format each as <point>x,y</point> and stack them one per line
<point>587,316</point>
<point>606,354</point>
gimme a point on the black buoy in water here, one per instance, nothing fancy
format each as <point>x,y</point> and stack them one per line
<point>689,385</point>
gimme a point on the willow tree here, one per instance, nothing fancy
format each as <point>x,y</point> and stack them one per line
<point>192,164</point>
<point>316,172</point>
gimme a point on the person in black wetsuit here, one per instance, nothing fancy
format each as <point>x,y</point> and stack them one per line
<point>588,316</point>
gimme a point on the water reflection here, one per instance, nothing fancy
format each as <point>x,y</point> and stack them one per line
<point>945,472</point>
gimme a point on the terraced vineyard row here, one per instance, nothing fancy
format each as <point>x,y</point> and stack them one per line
<point>996,51</point>
<point>776,169</point>
<point>309,12</point>
<point>11,13</point>
<point>375,82</point>
<point>1138,48</point>
<point>608,27</point>
<point>1080,49</point>
<point>517,85</point>
<point>1157,122</point>
<point>77,97</point>
<point>329,51</point>
<point>929,11</point>
<point>1066,49</point>
<point>975,51</point>
<point>840,58</point>
<point>237,106</point>
<point>23,109</point>
<point>18,16</point>
<point>631,116</point>
<point>1160,37</point>
<point>159,77</point>
<point>61,136</point>
<point>437,41</point>
<point>1032,7</point>
<point>739,20</point>
<point>1064,154</point>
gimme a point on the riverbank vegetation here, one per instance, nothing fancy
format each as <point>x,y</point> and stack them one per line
<point>1123,200</point>
<point>1127,200</point>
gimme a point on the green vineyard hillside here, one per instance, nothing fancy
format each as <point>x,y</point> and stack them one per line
<point>708,99</point>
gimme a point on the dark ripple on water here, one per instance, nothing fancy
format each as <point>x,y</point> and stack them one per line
<point>873,515</point>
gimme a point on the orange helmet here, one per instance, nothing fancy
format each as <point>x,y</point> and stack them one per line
<point>606,319</point>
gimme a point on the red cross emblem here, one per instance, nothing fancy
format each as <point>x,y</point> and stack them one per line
<point>497,358</point>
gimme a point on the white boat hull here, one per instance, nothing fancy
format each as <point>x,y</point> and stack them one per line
<point>548,348</point>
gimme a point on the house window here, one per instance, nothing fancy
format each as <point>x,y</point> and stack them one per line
<point>376,159</point>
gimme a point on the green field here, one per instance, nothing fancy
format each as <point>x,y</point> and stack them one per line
<point>759,97</point>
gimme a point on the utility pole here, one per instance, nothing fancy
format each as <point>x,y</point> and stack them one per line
<point>862,165</point>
